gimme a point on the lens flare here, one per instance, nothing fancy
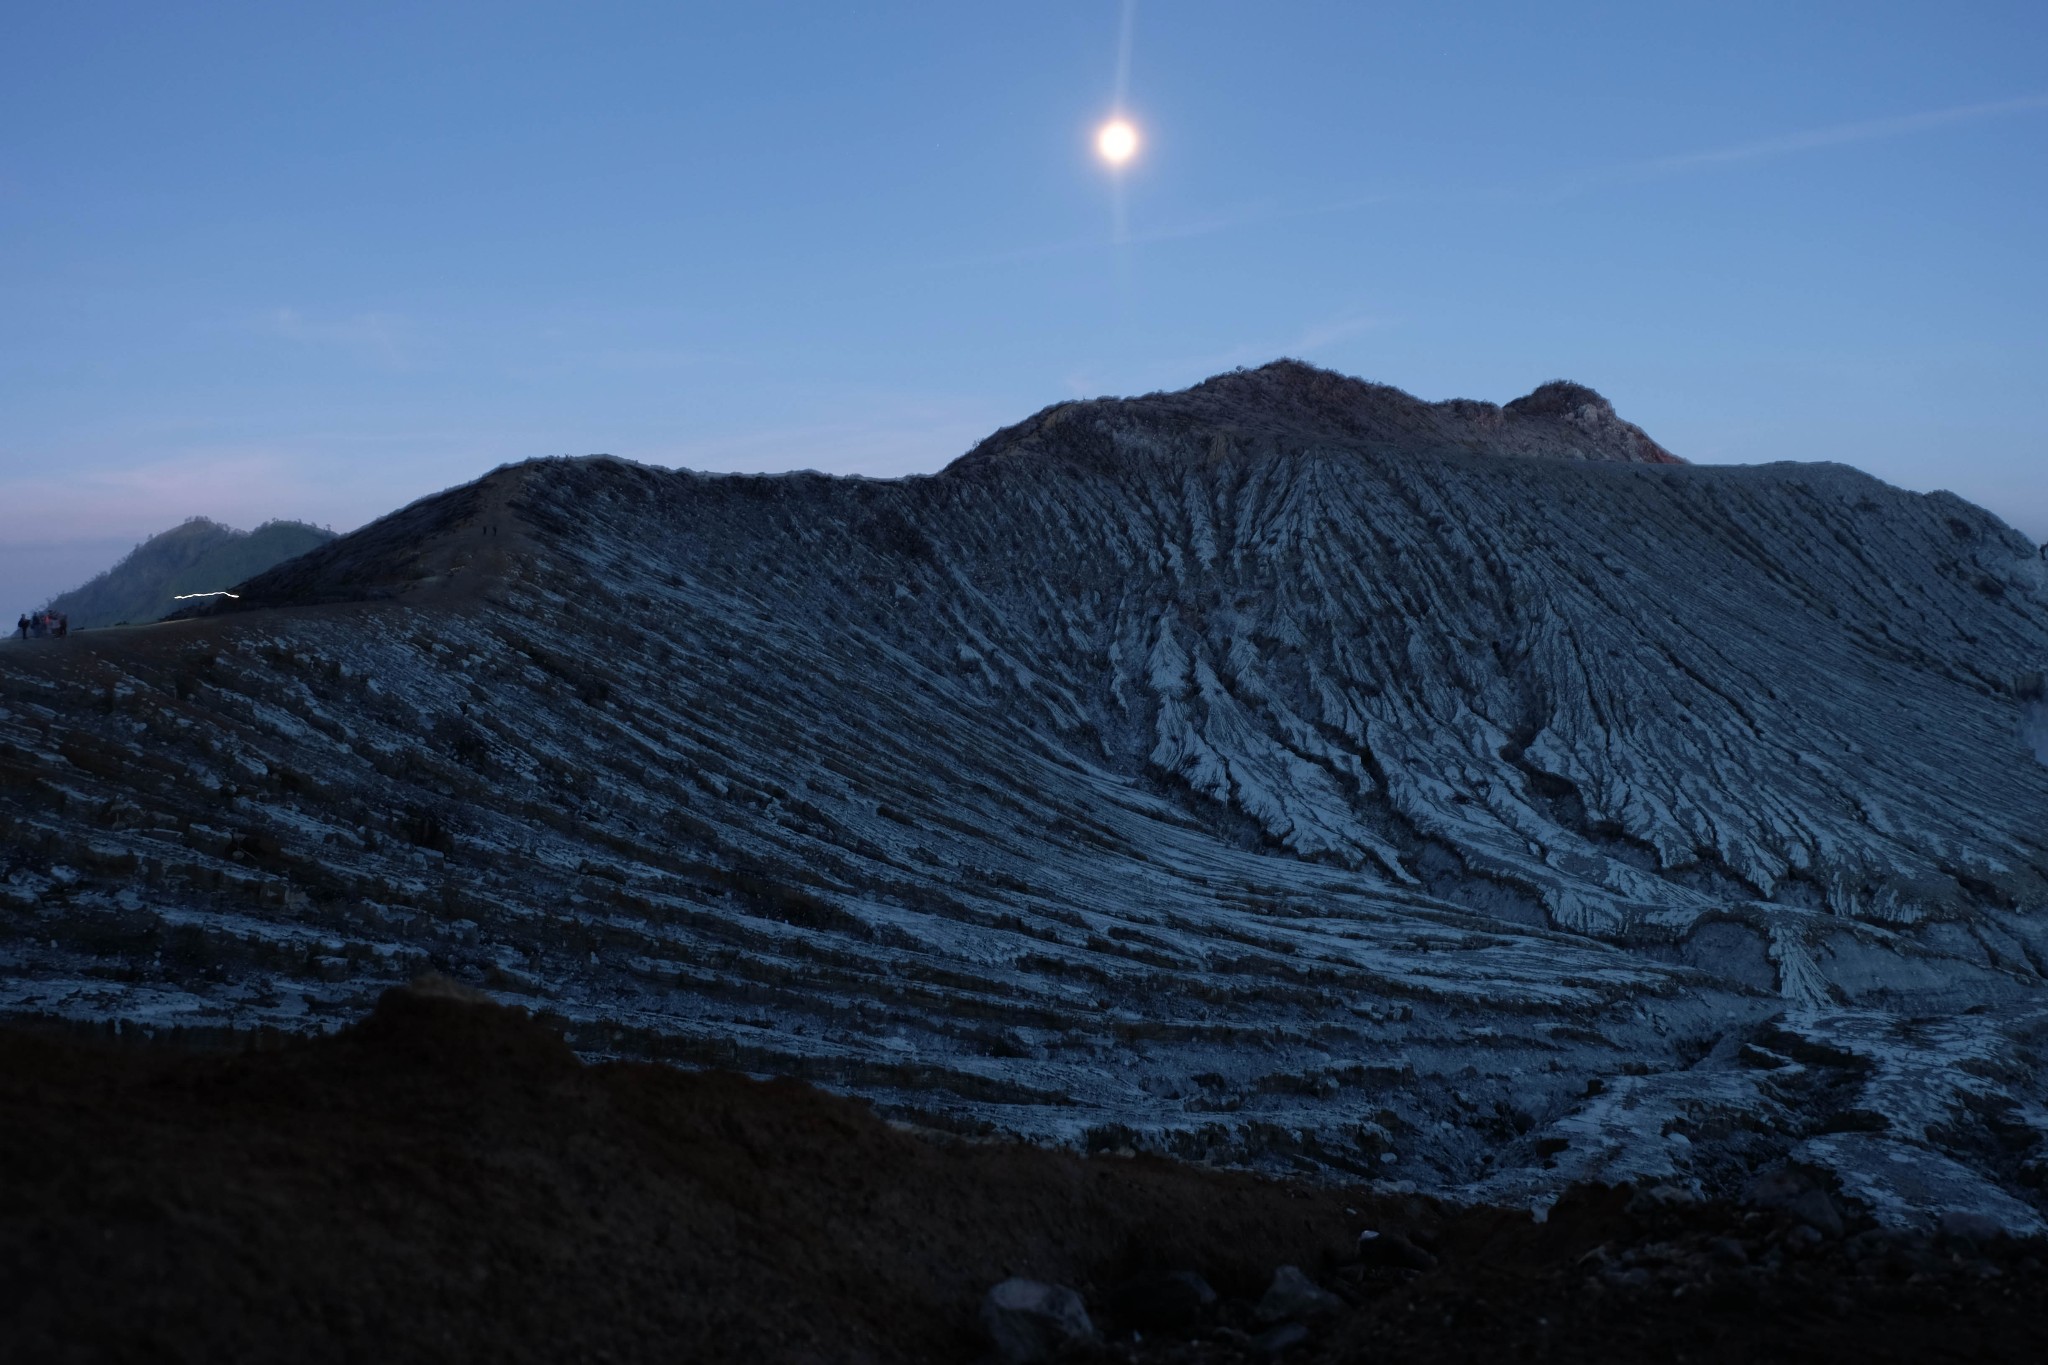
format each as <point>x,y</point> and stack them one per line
<point>1117,141</point>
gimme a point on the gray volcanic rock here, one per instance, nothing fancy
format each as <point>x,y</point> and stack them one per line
<point>1284,772</point>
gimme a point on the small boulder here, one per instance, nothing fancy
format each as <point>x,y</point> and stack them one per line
<point>1293,1296</point>
<point>1030,1322</point>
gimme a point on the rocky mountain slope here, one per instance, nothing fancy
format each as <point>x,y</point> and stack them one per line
<point>197,556</point>
<point>1283,772</point>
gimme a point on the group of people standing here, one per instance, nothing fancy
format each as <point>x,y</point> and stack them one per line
<point>38,625</point>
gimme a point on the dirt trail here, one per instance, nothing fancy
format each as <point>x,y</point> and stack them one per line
<point>445,1181</point>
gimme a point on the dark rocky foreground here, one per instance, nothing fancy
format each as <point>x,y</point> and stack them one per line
<point>446,1181</point>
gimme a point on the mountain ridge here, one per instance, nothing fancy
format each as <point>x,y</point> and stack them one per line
<point>199,555</point>
<point>1276,402</point>
<point>1246,790</point>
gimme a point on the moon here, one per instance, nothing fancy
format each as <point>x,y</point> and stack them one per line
<point>1117,141</point>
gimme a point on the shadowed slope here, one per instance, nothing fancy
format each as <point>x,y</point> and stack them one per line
<point>1193,770</point>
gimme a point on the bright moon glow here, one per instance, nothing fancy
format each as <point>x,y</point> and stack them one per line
<point>1118,142</point>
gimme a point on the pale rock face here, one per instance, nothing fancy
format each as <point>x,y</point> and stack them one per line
<point>1284,772</point>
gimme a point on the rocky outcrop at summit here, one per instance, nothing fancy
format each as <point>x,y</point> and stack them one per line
<point>1284,772</point>
<point>1289,406</point>
<point>1579,409</point>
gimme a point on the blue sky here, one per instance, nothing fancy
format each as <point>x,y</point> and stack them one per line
<point>316,260</point>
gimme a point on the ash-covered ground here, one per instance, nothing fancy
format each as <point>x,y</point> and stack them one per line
<point>1284,773</point>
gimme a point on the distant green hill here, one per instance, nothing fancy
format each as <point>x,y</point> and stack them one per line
<point>200,556</point>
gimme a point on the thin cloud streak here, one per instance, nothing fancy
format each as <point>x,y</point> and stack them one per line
<point>1791,144</point>
<point>1787,144</point>
<point>1842,134</point>
<point>377,333</point>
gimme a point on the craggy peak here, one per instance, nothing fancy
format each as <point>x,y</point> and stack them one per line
<point>1288,405</point>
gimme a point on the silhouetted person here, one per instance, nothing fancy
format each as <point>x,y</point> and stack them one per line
<point>60,624</point>
<point>22,625</point>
